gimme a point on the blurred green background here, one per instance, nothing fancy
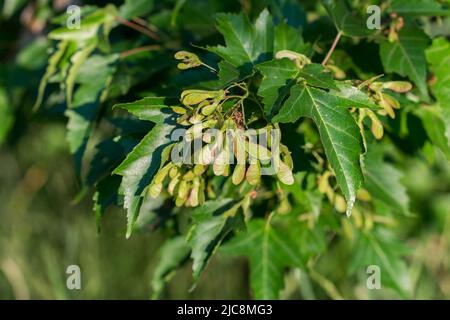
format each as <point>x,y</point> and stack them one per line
<point>43,230</point>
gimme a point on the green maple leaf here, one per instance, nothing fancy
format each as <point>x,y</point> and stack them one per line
<point>439,57</point>
<point>339,132</point>
<point>345,20</point>
<point>152,109</point>
<point>280,75</point>
<point>54,60</point>
<point>415,8</point>
<point>106,194</point>
<point>173,253</point>
<point>269,250</point>
<point>6,114</point>
<point>289,38</point>
<point>375,248</point>
<point>211,224</point>
<point>136,8</point>
<point>406,56</point>
<point>383,180</point>
<point>245,44</point>
<point>87,101</point>
<point>139,167</point>
<point>436,127</point>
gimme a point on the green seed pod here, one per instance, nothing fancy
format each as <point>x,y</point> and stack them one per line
<point>196,118</point>
<point>155,189</point>
<point>199,169</point>
<point>238,174</point>
<point>183,120</point>
<point>194,132</point>
<point>377,127</point>
<point>194,97</point>
<point>339,203</point>
<point>189,176</point>
<point>189,60</point>
<point>398,86</point>
<point>207,137</point>
<point>391,101</point>
<point>193,194</point>
<point>258,151</point>
<point>179,201</point>
<point>239,147</point>
<point>299,59</point>
<point>376,86</point>
<point>183,189</point>
<point>363,195</point>
<point>179,110</point>
<point>253,175</point>
<point>206,155</point>
<point>287,158</point>
<point>162,173</point>
<point>173,184</point>
<point>173,172</point>
<point>324,184</point>
<point>284,174</point>
<point>386,107</point>
<point>209,109</point>
<point>226,170</point>
<point>220,163</point>
<point>337,72</point>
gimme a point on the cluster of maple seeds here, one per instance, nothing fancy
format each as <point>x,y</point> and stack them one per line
<point>386,101</point>
<point>223,143</point>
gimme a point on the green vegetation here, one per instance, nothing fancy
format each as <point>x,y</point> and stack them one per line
<point>354,121</point>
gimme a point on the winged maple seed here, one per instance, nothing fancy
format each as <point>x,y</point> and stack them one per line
<point>386,101</point>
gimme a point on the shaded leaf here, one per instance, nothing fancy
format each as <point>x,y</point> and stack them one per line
<point>6,115</point>
<point>51,69</point>
<point>153,109</point>
<point>211,225</point>
<point>345,20</point>
<point>173,253</point>
<point>383,180</point>
<point>139,168</point>
<point>315,75</point>
<point>436,127</point>
<point>375,248</point>
<point>406,56</point>
<point>245,44</point>
<point>106,194</point>
<point>418,8</point>
<point>269,250</point>
<point>439,57</point>
<point>277,78</point>
<point>87,102</point>
<point>136,8</point>
<point>289,38</point>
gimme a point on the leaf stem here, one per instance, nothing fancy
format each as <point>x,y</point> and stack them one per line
<point>209,67</point>
<point>139,28</point>
<point>130,52</point>
<point>330,52</point>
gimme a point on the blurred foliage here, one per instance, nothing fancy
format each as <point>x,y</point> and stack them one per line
<point>46,220</point>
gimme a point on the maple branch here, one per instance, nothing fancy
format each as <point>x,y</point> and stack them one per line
<point>139,28</point>
<point>130,52</point>
<point>330,52</point>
